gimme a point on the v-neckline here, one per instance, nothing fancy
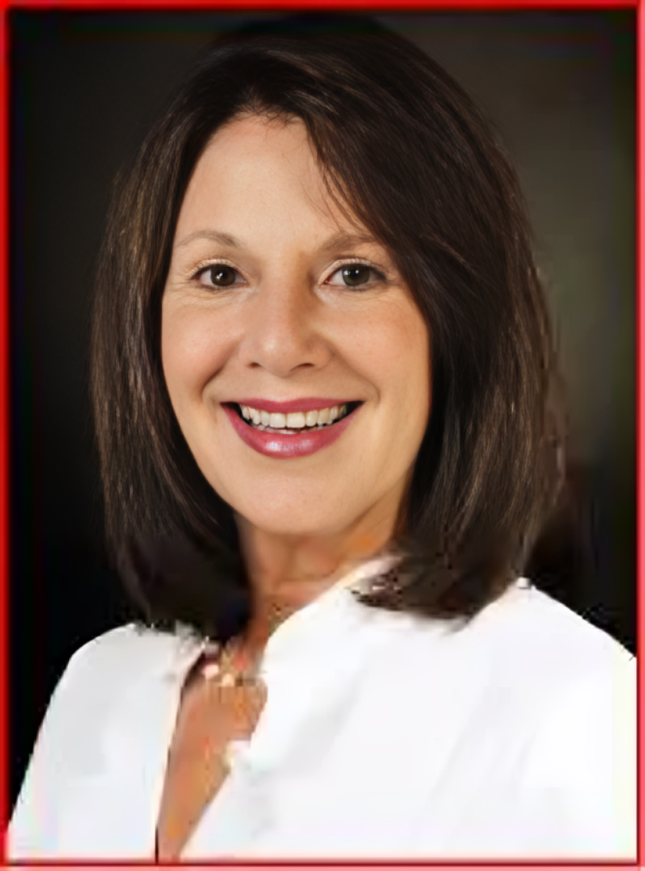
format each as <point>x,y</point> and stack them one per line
<point>206,702</point>
<point>296,629</point>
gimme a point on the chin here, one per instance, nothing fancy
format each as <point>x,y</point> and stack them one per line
<point>289,524</point>
<point>308,506</point>
<point>296,519</point>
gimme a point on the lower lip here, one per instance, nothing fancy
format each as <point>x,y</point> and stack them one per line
<point>284,446</point>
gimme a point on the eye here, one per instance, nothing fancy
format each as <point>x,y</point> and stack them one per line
<point>354,275</point>
<point>217,275</point>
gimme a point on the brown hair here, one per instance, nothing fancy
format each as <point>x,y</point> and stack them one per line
<point>405,149</point>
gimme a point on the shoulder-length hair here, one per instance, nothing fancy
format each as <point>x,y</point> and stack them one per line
<point>404,149</point>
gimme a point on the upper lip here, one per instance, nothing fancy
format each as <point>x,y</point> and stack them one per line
<point>309,403</point>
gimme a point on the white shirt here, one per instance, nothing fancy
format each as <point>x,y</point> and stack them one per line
<point>384,736</point>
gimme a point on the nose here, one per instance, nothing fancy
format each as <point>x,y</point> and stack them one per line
<point>283,329</point>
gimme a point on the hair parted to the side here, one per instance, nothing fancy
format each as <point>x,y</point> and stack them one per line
<point>404,149</point>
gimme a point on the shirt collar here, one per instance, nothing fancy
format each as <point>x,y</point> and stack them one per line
<point>329,611</point>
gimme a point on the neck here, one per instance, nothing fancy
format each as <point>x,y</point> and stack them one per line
<point>288,572</point>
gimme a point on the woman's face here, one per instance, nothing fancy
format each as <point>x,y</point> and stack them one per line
<point>277,304</point>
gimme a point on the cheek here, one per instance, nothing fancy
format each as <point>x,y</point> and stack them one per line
<point>412,383</point>
<point>394,353</point>
<point>193,349</point>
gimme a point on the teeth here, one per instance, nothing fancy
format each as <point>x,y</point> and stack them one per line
<point>277,421</point>
<point>295,420</point>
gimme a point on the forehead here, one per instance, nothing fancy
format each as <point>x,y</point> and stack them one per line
<point>255,170</point>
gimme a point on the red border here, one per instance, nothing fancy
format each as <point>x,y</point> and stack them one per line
<point>365,5</point>
<point>640,413</point>
<point>4,407</point>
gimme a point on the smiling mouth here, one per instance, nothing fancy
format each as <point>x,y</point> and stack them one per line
<point>294,422</point>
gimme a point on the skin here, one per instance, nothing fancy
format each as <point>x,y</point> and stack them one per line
<point>289,327</point>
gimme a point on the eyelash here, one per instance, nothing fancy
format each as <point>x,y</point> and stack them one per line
<point>378,275</point>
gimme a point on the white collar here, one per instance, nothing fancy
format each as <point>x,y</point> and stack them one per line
<point>302,628</point>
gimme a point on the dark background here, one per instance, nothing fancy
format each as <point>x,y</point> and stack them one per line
<point>85,87</point>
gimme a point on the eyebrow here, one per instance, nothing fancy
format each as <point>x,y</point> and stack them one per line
<point>338,240</point>
<point>211,236</point>
<point>347,240</point>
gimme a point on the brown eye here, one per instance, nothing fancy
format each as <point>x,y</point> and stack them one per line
<point>355,275</point>
<point>358,275</point>
<point>219,275</point>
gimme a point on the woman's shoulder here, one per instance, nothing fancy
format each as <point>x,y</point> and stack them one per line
<point>554,647</point>
<point>579,691</point>
<point>529,633</point>
<point>127,652</point>
<point>532,695</point>
<point>105,684</point>
<point>525,652</point>
<point>565,675</point>
<point>101,676</point>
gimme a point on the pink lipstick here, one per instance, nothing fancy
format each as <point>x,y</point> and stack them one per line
<point>285,445</point>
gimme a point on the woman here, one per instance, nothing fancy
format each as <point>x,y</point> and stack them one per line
<point>326,406</point>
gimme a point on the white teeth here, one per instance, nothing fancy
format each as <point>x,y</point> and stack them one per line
<point>294,420</point>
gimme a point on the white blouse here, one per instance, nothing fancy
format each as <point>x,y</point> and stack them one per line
<point>384,736</point>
